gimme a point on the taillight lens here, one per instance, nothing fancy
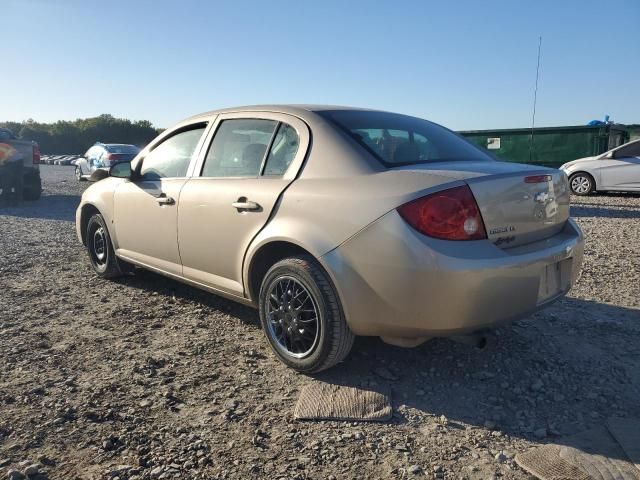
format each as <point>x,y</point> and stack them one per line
<point>114,157</point>
<point>451,214</point>
<point>36,154</point>
<point>537,179</point>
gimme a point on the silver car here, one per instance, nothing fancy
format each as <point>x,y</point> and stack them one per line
<point>336,222</point>
<point>615,170</point>
<point>103,156</point>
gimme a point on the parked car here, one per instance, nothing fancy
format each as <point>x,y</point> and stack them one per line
<point>103,156</point>
<point>30,152</point>
<point>615,170</point>
<point>337,222</point>
<point>65,160</point>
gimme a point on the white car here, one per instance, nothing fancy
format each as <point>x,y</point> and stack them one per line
<point>615,170</point>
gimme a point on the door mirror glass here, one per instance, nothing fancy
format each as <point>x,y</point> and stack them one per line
<point>121,170</point>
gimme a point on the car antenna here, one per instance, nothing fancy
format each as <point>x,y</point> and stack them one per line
<point>535,98</point>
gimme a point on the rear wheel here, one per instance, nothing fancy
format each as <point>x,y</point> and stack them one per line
<point>32,189</point>
<point>301,316</point>
<point>101,254</point>
<point>581,183</point>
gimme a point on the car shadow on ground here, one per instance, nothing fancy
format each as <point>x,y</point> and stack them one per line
<point>48,207</point>
<point>534,382</point>
<point>152,282</point>
<point>557,373</point>
<point>586,210</point>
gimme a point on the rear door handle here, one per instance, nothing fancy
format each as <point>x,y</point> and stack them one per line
<point>162,199</point>
<point>245,205</point>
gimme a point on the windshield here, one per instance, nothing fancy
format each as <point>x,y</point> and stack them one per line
<point>131,149</point>
<point>631,149</point>
<point>402,140</point>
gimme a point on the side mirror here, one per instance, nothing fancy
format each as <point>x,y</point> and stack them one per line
<point>610,155</point>
<point>98,175</point>
<point>121,170</point>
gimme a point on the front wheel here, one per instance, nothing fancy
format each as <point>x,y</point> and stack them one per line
<point>581,183</point>
<point>302,317</point>
<point>101,254</point>
<point>79,174</point>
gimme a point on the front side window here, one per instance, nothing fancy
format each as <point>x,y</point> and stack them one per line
<point>398,140</point>
<point>239,147</point>
<point>171,158</point>
<point>283,150</point>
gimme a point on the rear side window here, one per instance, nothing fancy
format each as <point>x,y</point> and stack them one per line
<point>402,140</point>
<point>171,158</point>
<point>239,148</point>
<point>283,150</point>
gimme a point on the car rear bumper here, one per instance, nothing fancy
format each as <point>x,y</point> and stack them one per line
<point>395,282</point>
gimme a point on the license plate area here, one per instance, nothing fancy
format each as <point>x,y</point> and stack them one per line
<point>554,280</point>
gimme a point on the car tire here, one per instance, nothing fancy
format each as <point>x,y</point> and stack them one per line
<point>581,184</point>
<point>299,341</point>
<point>101,254</point>
<point>32,188</point>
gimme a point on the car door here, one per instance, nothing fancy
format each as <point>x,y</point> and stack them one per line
<point>250,161</point>
<point>622,172</point>
<point>146,208</point>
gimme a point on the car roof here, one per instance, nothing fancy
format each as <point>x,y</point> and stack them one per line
<point>299,110</point>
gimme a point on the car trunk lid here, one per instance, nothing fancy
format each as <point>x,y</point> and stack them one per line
<point>519,203</point>
<point>520,208</point>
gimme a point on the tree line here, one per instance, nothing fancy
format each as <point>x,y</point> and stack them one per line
<point>75,137</point>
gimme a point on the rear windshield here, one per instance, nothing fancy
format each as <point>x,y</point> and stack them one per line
<point>402,140</point>
<point>132,149</point>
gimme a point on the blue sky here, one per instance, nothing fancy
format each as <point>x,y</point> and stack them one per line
<point>465,64</point>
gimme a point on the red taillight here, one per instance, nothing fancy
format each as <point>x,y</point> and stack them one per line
<point>449,215</point>
<point>36,154</point>
<point>537,179</point>
<point>114,157</point>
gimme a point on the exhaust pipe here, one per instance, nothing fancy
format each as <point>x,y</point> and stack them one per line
<point>478,340</point>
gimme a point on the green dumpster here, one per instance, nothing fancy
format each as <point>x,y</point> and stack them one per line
<point>549,146</point>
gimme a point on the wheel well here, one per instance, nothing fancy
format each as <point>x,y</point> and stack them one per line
<point>264,258</point>
<point>584,173</point>
<point>87,212</point>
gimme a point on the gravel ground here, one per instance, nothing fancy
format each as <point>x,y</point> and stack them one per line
<point>147,378</point>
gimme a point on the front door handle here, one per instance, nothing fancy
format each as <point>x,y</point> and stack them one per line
<point>164,200</point>
<point>246,205</point>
